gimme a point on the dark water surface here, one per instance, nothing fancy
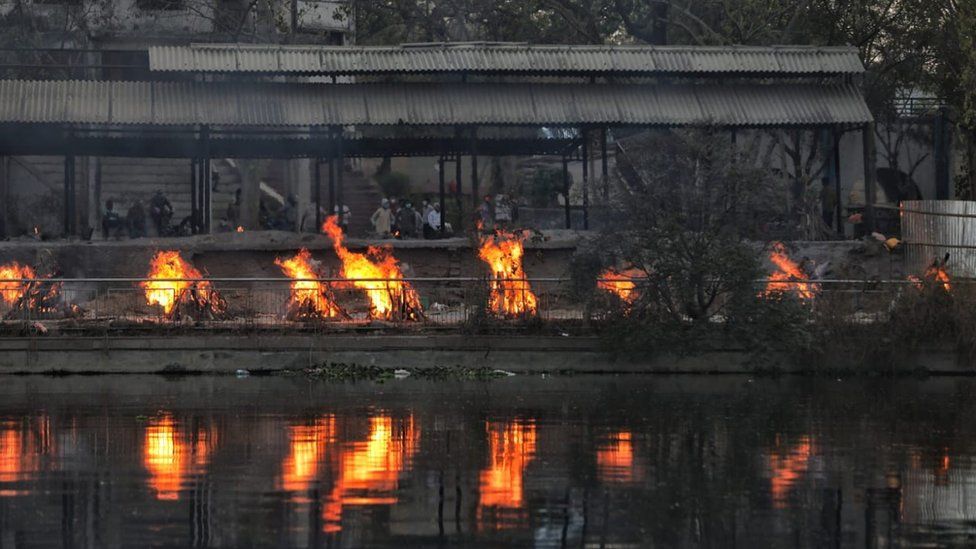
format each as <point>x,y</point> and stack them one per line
<point>568,461</point>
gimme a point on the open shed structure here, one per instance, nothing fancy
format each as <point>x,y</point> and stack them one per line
<point>442,100</point>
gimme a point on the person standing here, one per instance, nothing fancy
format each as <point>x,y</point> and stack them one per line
<point>406,220</point>
<point>111,221</point>
<point>486,214</point>
<point>161,212</point>
<point>382,219</point>
<point>135,219</point>
<point>432,228</point>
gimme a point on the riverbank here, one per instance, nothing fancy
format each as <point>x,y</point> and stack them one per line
<point>275,353</point>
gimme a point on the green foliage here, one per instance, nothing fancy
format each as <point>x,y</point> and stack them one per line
<point>394,184</point>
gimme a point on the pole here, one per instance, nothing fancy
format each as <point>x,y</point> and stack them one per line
<point>837,192</point>
<point>318,194</point>
<point>457,190</point>
<point>569,214</point>
<point>340,199</point>
<point>206,181</point>
<point>443,194</point>
<point>586,181</point>
<point>870,161</point>
<point>332,184</point>
<point>941,158</point>
<point>194,172</point>
<point>604,167</point>
<point>68,221</point>
<point>474,173</point>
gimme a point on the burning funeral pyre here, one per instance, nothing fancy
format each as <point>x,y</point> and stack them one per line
<point>510,294</point>
<point>34,297</point>
<point>177,286</point>
<point>310,299</point>
<point>378,275</point>
<point>621,283</point>
<point>936,274</point>
<point>789,277</point>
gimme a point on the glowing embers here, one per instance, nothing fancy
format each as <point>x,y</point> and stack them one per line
<point>35,296</point>
<point>22,445</point>
<point>178,287</point>
<point>787,464</point>
<point>621,283</point>
<point>615,459</point>
<point>310,299</point>
<point>171,455</point>
<point>511,447</point>
<point>369,471</point>
<point>510,294</point>
<point>935,275</point>
<point>378,274</point>
<point>307,446</point>
<point>789,277</point>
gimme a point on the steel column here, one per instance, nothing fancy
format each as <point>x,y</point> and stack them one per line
<point>586,181</point>
<point>443,194</point>
<point>569,214</point>
<point>318,194</point>
<point>340,163</point>
<point>194,207</point>
<point>69,195</point>
<point>457,190</point>
<point>604,167</point>
<point>837,186</point>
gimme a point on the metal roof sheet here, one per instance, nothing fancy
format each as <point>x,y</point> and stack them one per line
<point>290,104</point>
<point>493,58</point>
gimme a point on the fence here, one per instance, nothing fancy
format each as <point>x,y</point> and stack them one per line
<point>101,305</point>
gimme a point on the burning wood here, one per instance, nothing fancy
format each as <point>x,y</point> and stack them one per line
<point>621,283</point>
<point>936,274</point>
<point>34,296</point>
<point>310,299</point>
<point>378,274</point>
<point>510,292</point>
<point>790,277</point>
<point>174,281</point>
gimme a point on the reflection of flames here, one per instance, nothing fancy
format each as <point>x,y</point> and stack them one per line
<point>511,446</point>
<point>21,452</point>
<point>369,472</point>
<point>310,299</point>
<point>615,459</point>
<point>307,446</point>
<point>790,277</point>
<point>621,283</point>
<point>376,273</point>
<point>36,296</point>
<point>173,280</point>
<point>170,458</point>
<point>510,291</point>
<point>786,467</point>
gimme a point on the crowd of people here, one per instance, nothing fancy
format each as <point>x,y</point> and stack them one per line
<point>400,219</point>
<point>134,223</point>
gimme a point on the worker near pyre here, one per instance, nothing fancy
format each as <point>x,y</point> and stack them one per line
<point>406,220</point>
<point>432,227</point>
<point>161,212</point>
<point>344,224</point>
<point>135,220</point>
<point>486,214</point>
<point>382,219</point>
<point>111,221</point>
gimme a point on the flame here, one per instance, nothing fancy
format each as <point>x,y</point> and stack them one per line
<point>309,297</point>
<point>240,228</point>
<point>786,467</point>
<point>511,447</point>
<point>21,452</point>
<point>12,291</point>
<point>615,459</point>
<point>935,273</point>
<point>621,283</point>
<point>790,277</point>
<point>510,292</point>
<point>307,446</point>
<point>369,471</point>
<point>174,280</point>
<point>170,458</point>
<point>376,273</point>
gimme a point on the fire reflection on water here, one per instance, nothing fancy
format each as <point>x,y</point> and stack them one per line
<point>786,465</point>
<point>615,459</point>
<point>21,451</point>
<point>306,451</point>
<point>511,447</point>
<point>170,458</point>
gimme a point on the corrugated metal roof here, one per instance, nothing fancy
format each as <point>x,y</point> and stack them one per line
<point>288,104</point>
<point>534,59</point>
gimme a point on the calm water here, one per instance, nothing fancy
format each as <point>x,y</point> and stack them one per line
<point>610,461</point>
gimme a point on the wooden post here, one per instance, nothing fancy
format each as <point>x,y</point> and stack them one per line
<point>569,213</point>
<point>870,172</point>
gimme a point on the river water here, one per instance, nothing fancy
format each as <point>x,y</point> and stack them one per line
<point>628,461</point>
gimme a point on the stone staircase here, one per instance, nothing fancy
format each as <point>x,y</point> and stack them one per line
<point>363,196</point>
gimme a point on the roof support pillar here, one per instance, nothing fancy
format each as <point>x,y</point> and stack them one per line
<point>69,195</point>
<point>339,151</point>
<point>569,214</point>
<point>194,207</point>
<point>586,180</point>
<point>318,193</point>
<point>206,187</point>
<point>474,169</point>
<point>604,167</point>
<point>457,190</point>
<point>870,172</point>
<point>941,147</point>
<point>442,196</point>
<point>838,206</point>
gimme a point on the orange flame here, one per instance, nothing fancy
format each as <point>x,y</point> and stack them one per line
<point>511,447</point>
<point>510,292</point>
<point>615,459</point>
<point>174,280</point>
<point>240,228</point>
<point>621,283</point>
<point>309,297</point>
<point>170,458</point>
<point>369,471</point>
<point>790,277</point>
<point>12,291</point>
<point>786,468</point>
<point>376,273</point>
<point>936,273</point>
<point>21,451</point>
